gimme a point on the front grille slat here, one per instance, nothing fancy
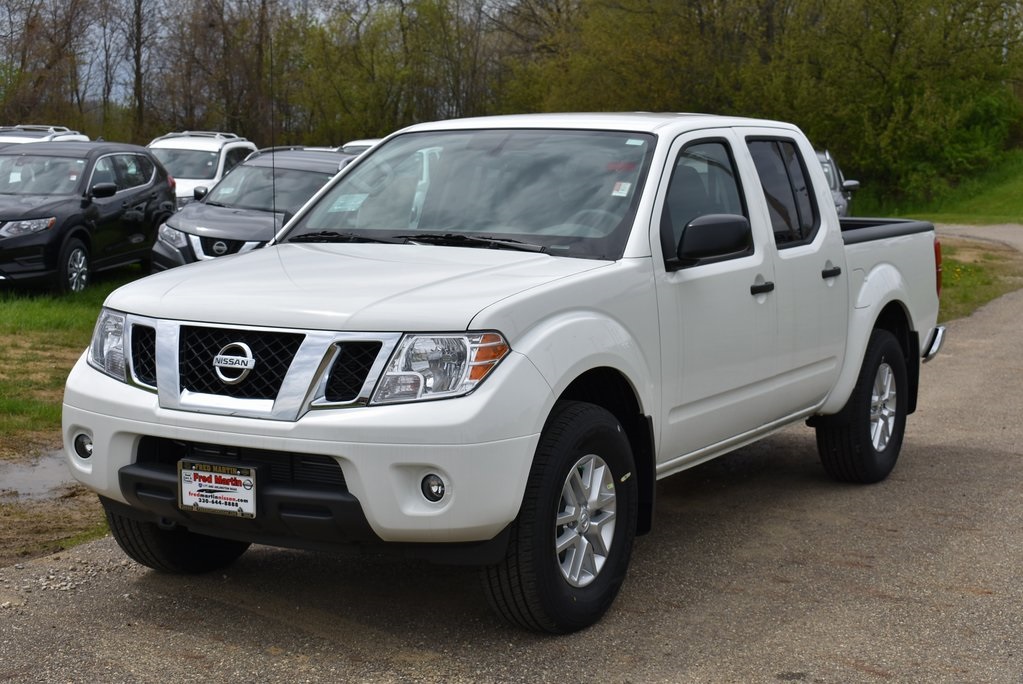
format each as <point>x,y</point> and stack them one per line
<point>273,353</point>
<point>143,354</point>
<point>350,369</point>
<point>278,467</point>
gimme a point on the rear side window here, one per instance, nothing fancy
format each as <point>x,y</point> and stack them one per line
<point>783,176</point>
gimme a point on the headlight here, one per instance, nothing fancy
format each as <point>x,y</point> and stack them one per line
<point>439,366</point>
<point>106,353</point>
<point>26,227</point>
<point>172,236</point>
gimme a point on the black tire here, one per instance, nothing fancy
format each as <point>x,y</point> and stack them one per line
<point>176,551</point>
<point>73,267</point>
<point>861,443</point>
<point>537,588</point>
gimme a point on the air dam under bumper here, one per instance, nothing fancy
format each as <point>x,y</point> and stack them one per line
<point>383,453</point>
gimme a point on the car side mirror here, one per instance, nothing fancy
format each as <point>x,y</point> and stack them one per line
<point>851,185</point>
<point>101,190</point>
<point>714,237</point>
<point>200,192</point>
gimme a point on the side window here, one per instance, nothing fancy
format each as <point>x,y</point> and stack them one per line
<point>704,181</point>
<point>234,157</point>
<point>103,171</point>
<point>794,215</point>
<point>131,173</point>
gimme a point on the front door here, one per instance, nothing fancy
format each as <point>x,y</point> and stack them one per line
<point>718,320</point>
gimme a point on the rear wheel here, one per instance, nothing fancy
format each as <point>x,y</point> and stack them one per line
<point>176,550</point>
<point>571,543</point>
<point>73,267</point>
<point>862,443</point>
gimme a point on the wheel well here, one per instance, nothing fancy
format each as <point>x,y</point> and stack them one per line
<point>609,389</point>
<point>894,319</point>
<point>82,234</point>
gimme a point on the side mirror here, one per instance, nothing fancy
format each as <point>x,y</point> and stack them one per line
<point>851,185</point>
<point>714,237</point>
<point>101,190</point>
<point>200,192</point>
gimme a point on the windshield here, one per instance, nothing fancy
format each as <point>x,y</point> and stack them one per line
<point>266,189</point>
<point>39,175</point>
<point>829,174</point>
<point>568,193</point>
<point>192,164</point>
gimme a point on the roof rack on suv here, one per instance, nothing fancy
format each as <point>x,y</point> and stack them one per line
<point>38,128</point>
<point>198,134</point>
<point>39,133</point>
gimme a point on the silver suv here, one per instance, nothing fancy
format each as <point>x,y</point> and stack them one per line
<point>841,189</point>
<point>198,159</point>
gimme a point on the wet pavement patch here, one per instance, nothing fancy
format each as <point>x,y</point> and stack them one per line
<point>37,478</point>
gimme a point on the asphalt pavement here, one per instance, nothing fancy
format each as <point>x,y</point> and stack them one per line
<point>759,569</point>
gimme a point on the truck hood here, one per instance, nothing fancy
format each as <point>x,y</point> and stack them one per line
<point>361,287</point>
<point>231,223</point>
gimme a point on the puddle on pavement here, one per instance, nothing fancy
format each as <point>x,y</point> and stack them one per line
<point>35,479</point>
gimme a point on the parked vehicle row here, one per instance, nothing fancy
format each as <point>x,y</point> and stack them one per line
<point>69,211</point>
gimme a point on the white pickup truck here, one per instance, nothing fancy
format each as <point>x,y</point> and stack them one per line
<point>487,339</point>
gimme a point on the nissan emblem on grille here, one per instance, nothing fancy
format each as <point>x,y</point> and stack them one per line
<point>220,248</point>
<point>234,363</point>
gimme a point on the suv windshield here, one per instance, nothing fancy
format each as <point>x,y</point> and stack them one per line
<point>571,193</point>
<point>266,189</point>
<point>39,175</point>
<point>197,164</point>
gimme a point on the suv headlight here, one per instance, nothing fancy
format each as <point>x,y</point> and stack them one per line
<point>26,227</point>
<point>439,366</point>
<point>172,236</point>
<point>106,352</point>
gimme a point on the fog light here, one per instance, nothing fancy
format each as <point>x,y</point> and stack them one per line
<point>433,488</point>
<point>83,446</point>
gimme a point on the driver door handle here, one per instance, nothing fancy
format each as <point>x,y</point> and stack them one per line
<point>763,288</point>
<point>831,272</point>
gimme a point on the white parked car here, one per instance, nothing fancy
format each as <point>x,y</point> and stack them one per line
<point>26,133</point>
<point>198,159</point>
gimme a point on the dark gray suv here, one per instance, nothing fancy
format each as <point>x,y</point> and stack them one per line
<point>247,207</point>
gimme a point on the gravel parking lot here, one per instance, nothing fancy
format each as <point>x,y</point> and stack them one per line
<point>759,569</point>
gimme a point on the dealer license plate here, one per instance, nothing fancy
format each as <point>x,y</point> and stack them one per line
<point>216,488</point>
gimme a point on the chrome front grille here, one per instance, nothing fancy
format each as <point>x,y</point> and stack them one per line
<point>272,352</point>
<point>292,371</point>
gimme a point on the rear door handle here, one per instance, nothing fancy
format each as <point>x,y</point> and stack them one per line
<point>831,272</point>
<point>763,288</point>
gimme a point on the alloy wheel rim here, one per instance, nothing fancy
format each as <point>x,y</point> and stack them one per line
<point>77,270</point>
<point>585,524</point>
<point>882,407</point>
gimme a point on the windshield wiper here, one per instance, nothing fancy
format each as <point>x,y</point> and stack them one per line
<point>464,240</point>
<point>335,236</point>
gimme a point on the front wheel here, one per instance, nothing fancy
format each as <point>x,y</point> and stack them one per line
<point>862,442</point>
<point>571,543</point>
<point>176,550</point>
<point>73,267</point>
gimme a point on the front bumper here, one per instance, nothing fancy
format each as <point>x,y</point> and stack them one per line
<point>482,445</point>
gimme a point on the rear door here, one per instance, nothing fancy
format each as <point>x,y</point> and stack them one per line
<point>811,286</point>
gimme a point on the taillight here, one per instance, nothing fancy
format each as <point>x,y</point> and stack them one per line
<point>937,263</point>
<point>172,183</point>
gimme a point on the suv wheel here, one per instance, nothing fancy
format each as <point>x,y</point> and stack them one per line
<point>73,267</point>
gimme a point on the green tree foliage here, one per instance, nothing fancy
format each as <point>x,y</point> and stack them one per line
<point>912,95</point>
